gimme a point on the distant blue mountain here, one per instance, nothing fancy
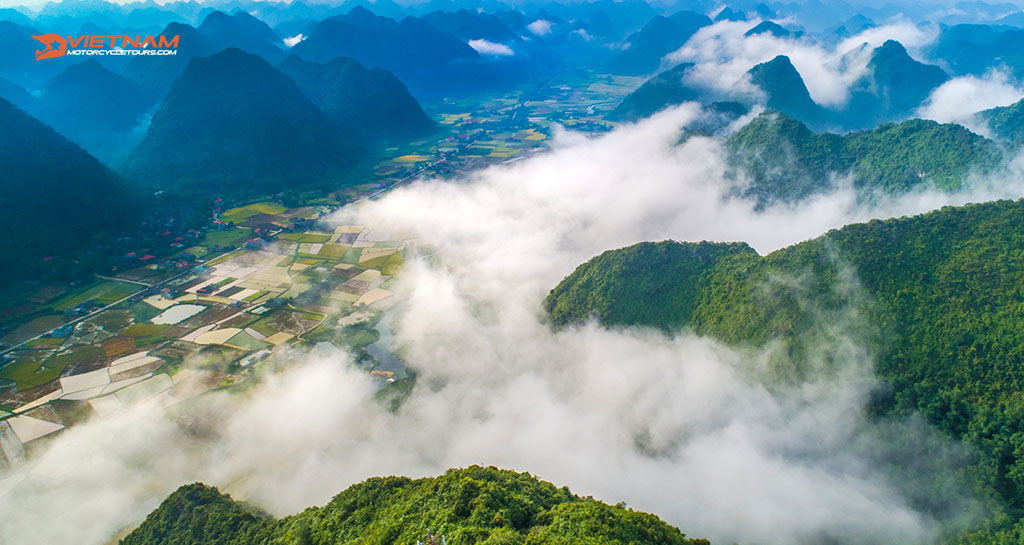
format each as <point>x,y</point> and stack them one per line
<point>432,63</point>
<point>77,104</point>
<point>662,91</point>
<point>728,14</point>
<point>157,73</point>
<point>975,49</point>
<point>370,102</point>
<point>232,124</point>
<point>894,86</point>
<point>243,31</point>
<point>467,25</point>
<point>659,37</point>
<point>768,27</point>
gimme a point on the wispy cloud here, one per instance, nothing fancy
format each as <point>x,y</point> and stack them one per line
<point>491,48</point>
<point>960,98</point>
<point>723,55</point>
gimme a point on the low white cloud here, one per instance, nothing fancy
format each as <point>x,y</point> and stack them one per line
<point>540,27</point>
<point>960,98</point>
<point>491,48</point>
<point>913,37</point>
<point>582,33</point>
<point>723,55</point>
<point>290,42</point>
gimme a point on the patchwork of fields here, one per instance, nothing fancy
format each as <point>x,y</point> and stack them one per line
<point>115,343</point>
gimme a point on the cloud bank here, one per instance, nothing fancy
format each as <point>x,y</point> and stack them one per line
<point>677,425</point>
<point>960,98</point>
<point>723,55</point>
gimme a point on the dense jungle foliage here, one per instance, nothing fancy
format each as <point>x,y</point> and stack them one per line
<point>471,505</point>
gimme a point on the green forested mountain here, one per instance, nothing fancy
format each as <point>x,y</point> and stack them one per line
<point>56,197</point>
<point>664,90</point>
<point>232,123</point>
<point>372,102</point>
<point>785,161</point>
<point>785,91</point>
<point>467,506</point>
<point>940,299</point>
<point>1006,122</point>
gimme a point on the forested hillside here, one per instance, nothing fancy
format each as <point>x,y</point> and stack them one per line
<point>785,161</point>
<point>940,300</point>
<point>471,505</point>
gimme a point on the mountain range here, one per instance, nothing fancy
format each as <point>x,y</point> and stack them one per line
<point>976,49</point>
<point>217,32</point>
<point>467,26</point>
<point>18,64</point>
<point>896,84</point>
<point>243,31</point>
<point>891,89</point>
<point>421,56</point>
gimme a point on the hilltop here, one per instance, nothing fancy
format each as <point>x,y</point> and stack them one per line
<point>471,505</point>
<point>373,103</point>
<point>784,160</point>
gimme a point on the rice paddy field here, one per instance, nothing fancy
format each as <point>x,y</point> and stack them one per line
<point>242,213</point>
<point>103,293</point>
<point>225,237</point>
<point>240,303</point>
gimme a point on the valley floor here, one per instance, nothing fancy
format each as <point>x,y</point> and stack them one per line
<point>210,310</point>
